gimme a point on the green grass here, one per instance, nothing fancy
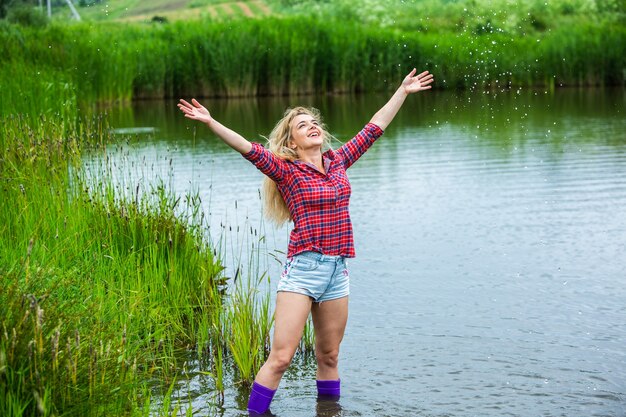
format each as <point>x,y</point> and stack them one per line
<point>111,10</point>
<point>255,9</point>
<point>517,17</point>
<point>35,91</point>
<point>438,16</point>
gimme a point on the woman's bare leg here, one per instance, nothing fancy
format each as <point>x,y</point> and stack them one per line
<point>329,320</point>
<point>292,311</point>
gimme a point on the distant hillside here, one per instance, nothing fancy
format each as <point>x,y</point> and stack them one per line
<point>137,10</point>
<point>426,16</point>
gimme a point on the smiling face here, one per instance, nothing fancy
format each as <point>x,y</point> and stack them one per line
<point>306,133</point>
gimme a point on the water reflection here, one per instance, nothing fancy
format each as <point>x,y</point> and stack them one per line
<point>328,406</point>
<point>496,116</point>
<point>325,407</point>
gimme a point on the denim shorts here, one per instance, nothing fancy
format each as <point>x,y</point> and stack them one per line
<point>321,277</point>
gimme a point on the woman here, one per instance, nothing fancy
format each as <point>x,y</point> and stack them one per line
<point>309,186</point>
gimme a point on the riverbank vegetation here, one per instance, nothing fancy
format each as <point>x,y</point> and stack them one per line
<point>297,55</point>
<point>303,46</point>
<point>107,285</point>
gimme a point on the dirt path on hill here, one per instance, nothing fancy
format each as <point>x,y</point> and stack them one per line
<point>178,11</point>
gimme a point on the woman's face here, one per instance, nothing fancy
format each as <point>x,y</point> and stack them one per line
<point>306,133</point>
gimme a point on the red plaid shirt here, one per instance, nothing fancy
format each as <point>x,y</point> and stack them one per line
<point>318,202</point>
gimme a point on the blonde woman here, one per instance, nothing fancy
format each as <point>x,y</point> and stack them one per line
<point>306,183</point>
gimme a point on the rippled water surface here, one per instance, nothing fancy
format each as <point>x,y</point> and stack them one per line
<point>490,277</point>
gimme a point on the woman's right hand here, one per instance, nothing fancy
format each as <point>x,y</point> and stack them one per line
<point>195,111</point>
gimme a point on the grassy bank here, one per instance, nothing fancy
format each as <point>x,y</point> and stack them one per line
<point>102,284</point>
<point>276,56</point>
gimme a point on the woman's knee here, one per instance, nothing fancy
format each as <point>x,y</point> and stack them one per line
<point>329,358</point>
<point>280,360</point>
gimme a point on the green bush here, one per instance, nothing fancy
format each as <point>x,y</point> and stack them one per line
<point>27,16</point>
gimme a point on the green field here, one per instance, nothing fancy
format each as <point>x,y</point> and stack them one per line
<point>137,11</point>
<point>420,15</point>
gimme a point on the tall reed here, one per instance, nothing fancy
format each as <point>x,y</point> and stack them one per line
<point>275,56</point>
<point>99,288</point>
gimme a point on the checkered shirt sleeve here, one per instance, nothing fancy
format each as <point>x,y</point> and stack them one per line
<point>268,163</point>
<point>352,150</point>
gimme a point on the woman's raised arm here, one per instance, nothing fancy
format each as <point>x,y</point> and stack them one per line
<point>411,84</point>
<point>196,111</point>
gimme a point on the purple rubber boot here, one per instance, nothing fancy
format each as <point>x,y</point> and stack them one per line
<point>330,388</point>
<point>260,398</point>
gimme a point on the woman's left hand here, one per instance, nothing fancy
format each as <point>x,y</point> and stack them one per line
<point>413,83</point>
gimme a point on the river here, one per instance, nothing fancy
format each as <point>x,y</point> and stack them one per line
<point>490,230</point>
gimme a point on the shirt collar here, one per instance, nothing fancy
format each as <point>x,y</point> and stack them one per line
<point>328,158</point>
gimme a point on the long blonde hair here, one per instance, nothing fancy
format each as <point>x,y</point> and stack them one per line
<point>276,209</point>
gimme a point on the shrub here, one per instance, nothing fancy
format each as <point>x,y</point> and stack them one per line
<point>27,16</point>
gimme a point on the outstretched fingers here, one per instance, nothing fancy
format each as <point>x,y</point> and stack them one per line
<point>424,79</point>
<point>185,109</point>
<point>197,103</point>
<point>184,102</point>
<point>190,109</point>
<point>427,81</point>
<point>194,110</point>
<point>418,82</point>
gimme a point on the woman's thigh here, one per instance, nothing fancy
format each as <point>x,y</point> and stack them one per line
<point>329,321</point>
<point>292,311</point>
